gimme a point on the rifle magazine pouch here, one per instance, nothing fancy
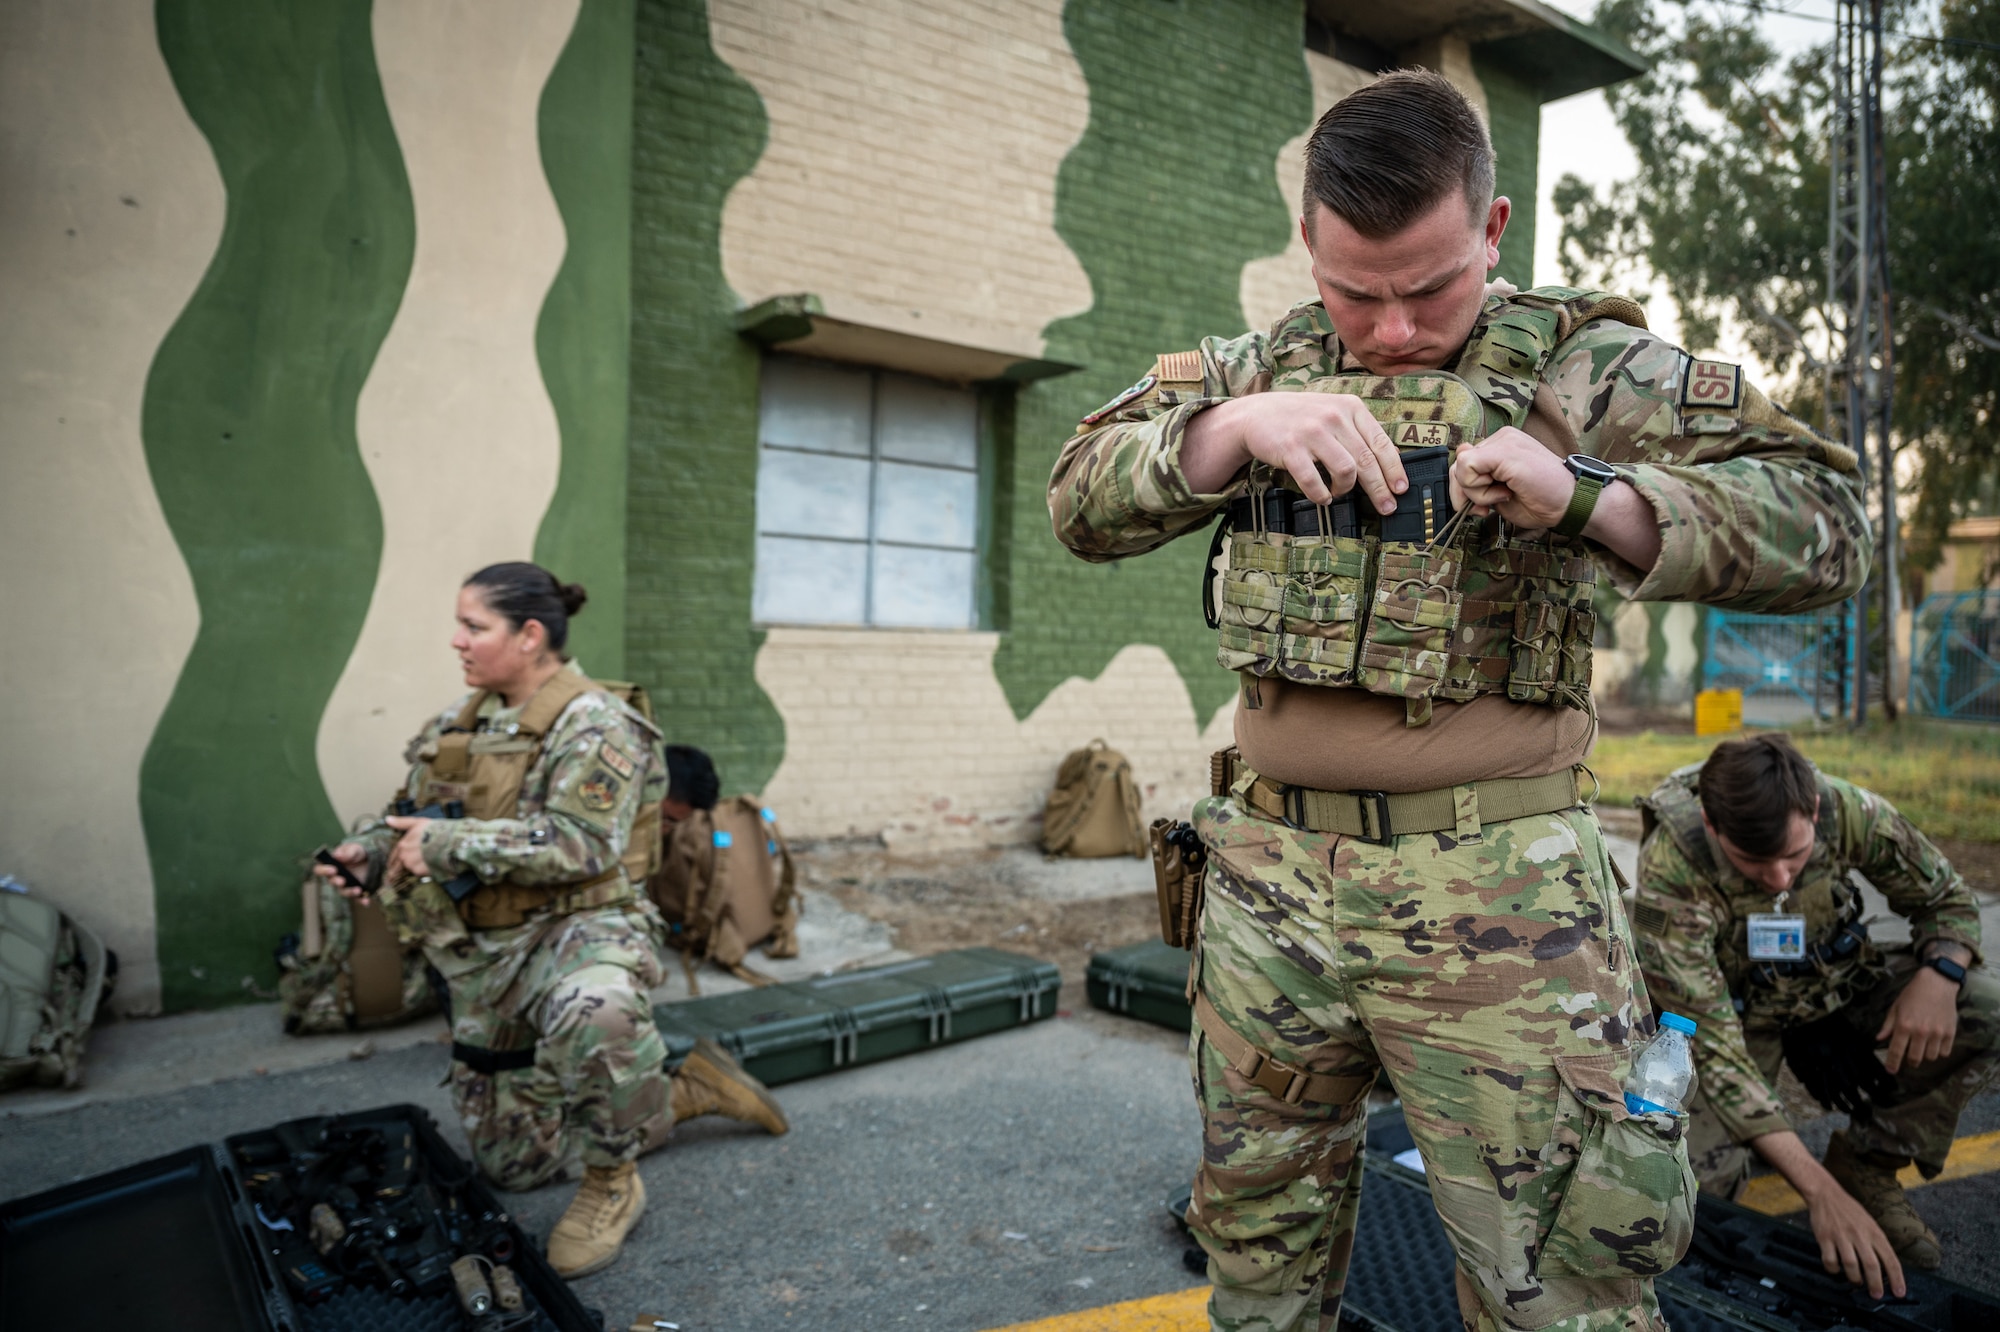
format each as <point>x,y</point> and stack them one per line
<point>421,912</point>
<point>1177,880</point>
<point>1626,1189</point>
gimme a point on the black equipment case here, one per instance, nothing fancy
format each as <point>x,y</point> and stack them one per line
<point>216,1239</point>
<point>1142,980</point>
<point>799,1029</point>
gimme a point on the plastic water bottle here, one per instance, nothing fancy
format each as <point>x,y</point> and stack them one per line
<point>1663,1074</point>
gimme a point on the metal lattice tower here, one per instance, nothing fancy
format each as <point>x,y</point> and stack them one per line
<point>1860,373</point>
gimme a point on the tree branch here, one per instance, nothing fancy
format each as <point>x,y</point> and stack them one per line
<point>1789,330</point>
<point>1963,326</point>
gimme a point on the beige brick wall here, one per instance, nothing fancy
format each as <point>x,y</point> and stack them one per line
<point>909,179</point>
<point>908,736</point>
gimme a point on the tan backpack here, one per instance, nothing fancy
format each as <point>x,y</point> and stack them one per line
<point>726,884</point>
<point>344,969</point>
<point>1094,810</point>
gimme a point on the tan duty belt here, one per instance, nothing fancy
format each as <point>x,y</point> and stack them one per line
<point>1378,816</point>
<point>501,906</point>
<point>1284,1081</point>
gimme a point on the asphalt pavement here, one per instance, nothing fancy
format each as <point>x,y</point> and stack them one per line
<point>996,1181</point>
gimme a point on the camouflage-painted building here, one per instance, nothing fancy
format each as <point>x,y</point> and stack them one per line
<point>763,319</point>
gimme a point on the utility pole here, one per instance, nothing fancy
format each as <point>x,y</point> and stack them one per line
<point>1859,379</point>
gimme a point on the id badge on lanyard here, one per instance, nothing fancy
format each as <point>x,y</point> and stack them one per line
<point>1778,936</point>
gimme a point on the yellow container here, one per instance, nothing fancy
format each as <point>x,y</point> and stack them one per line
<point>1718,711</point>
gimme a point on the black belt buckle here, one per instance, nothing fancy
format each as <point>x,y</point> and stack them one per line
<point>1378,801</point>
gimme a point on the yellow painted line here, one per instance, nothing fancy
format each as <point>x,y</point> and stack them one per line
<point>1976,1155</point>
<point>1182,1311</point>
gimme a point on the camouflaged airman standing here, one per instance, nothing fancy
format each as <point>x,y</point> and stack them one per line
<point>1402,872</point>
<point>1749,921</point>
<point>515,855</point>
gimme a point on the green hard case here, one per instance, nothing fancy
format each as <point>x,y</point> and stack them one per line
<point>1142,980</point>
<point>800,1029</point>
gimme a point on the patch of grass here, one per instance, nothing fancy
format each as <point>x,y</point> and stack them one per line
<point>1944,777</point>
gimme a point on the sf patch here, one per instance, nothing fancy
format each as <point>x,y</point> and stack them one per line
<point>599,790</point>
<point>1711,386</point>
<point>1133,394</point>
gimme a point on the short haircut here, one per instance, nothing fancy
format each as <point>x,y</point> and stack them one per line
<point>1751,787</point>
<point>691,777</point>
<point>1385,154</point>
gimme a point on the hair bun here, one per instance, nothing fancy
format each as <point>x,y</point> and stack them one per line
<point>573,596</point>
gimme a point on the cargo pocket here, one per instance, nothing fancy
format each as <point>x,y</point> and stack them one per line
<point>1250,611</point>
<point>1407,643</point>
<point>1627,1209</point>
<point>1322,608</point>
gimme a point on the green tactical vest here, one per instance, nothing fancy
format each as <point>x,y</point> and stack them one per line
<point>1472,609</point>
<point>1826,896</point>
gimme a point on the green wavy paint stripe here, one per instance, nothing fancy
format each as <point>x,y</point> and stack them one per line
<point>697,128</point>
<point>248,424</point>
<point>583,338</point>
<point>1171,190</point>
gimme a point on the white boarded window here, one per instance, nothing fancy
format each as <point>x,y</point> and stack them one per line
<point>867,498</point>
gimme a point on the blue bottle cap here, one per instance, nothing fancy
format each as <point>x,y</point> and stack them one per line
<point>769,817</point>
<point>1677,1022</point>
<point>722,838</point>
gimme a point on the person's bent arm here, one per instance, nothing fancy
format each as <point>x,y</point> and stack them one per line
<point>1117,488</point>
<point>1754,511</point>
<point>1850,1243</point>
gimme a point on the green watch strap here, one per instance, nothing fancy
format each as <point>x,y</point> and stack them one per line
<point>1582,502</point>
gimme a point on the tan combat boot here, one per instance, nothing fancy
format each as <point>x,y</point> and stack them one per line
<point>710,1082</point>
<point>1874,1185</point>
<point>599,1218</point>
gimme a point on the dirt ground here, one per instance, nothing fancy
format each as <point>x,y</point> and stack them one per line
<point>977,899</point>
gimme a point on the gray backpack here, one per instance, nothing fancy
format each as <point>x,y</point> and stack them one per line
<point>54,974</point>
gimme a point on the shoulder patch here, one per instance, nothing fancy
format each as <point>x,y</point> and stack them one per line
<point>617,760</point>
<point>599,791</point>
<point>1711,386</point>
<point>1133,394</point>
<point>1178,368</point>
<point>1650,918</point>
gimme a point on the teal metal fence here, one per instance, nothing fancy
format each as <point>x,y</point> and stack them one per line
<point>1955,657</point>
<point>1789,667</point>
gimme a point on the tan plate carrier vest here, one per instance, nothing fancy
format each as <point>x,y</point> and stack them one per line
<point>1474,610</point>
<point>485,769</point>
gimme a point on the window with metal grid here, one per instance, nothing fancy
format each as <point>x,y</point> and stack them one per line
<point>867,498</point>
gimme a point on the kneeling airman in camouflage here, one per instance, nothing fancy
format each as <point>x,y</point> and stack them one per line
<point>1749,922</point>
<point>516,854</point>
<point>1419,483</point>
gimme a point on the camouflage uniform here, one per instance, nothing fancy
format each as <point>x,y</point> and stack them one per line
<point>573,986</point>
<point>1693,946</point>
<point>1487,968</point>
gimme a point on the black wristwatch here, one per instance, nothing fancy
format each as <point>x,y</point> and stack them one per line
<point>1947,968</point>
<point>1592,477</point>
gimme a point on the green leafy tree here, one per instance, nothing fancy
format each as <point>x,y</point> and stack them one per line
<point>1729,210</point>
